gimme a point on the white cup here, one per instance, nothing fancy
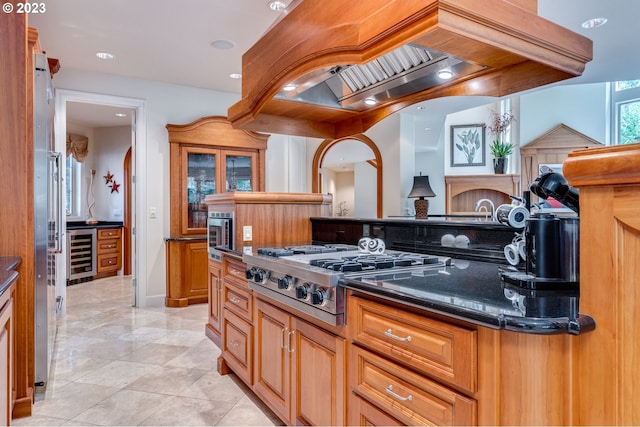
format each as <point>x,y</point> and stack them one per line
<point>511,254</point>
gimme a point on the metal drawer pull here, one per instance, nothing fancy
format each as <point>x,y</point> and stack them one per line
<point>236,301</point>
<point>233,343</point>
<point>390,392</point>
<point>291,350</point>
<point>390,334</point>
<point>282,344</point>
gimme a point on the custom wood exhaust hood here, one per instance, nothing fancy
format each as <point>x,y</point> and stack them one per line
<point>336,57</point>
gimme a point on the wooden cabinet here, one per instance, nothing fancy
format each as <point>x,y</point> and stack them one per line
<point>237,345</point>
<point>299,368</point>
<point>187,265</point>
<point>463,191</point>
<point>237,319</point>
<point>415,369</point>
<point>605,364</point>
<point>108,251</point>
<point>214,287</point>
<point>207,157</point>
<point>7,374</point>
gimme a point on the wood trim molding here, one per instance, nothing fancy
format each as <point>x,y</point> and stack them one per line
<point>321,151</point>
<point>215,131</point>
<point>603,166</point>
<point>128,225</point>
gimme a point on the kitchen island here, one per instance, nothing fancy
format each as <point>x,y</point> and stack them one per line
<point>457,348</point>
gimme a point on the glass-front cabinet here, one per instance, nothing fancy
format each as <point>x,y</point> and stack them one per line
<point>200,181</point>
<point>209,171</point>
<point>207,156</point>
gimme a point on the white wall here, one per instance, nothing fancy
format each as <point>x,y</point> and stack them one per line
<point>287,157</point>
<point>344,192</point>
<point>110,147</point>
<point>581,107</point>
<point>397,156</point>
<point>365,178</point>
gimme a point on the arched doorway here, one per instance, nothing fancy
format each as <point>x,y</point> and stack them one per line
<point>323,149</point>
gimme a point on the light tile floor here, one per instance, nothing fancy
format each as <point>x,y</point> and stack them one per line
<point>114,364</point>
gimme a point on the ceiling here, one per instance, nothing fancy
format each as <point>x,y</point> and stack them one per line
<point>170,41</point>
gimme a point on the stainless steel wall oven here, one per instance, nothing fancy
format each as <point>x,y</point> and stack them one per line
<point>220,226</point>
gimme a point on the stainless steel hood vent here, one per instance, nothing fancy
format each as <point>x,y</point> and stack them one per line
<point>400,72</point>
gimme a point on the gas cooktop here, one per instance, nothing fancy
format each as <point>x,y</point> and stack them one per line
<point>307,277</point>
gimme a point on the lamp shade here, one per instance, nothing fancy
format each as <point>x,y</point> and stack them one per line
<point>421,187</point>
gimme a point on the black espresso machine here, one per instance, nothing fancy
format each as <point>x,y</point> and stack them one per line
<point>552,241</point>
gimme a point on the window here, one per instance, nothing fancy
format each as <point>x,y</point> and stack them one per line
<point>72,187</point>
<point>626,100</point>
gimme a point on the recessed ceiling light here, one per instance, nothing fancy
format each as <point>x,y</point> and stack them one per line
<point>445,74</point>
<point>223,44</point>
<point>277,5</point>
<point>370,101</point>
<point>235,75</point>
<point>105,55</point>
<point>121,115</point>
<point>289,87</point>
<point>594,23</point>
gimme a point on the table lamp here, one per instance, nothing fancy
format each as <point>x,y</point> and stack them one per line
<point>421,189</point>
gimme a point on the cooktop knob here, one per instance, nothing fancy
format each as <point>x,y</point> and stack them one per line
<point>302,291</point>
<point>249,274</point>
<point>317,297</point>
<point>285,282</point>
<point>258,276</point>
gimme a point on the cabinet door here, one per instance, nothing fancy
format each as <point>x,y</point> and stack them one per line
<point>240,171</point>
<point>318,372</point>
<point>198,179</point>
<point>215,300</point>
<point>6,360</point>
<point>237,349</point>
<point>271,358</point>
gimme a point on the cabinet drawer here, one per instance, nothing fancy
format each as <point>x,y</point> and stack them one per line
<point>363,413</point>
<point>235,271</point>
<point>237,347</point>
<point>108,233</point>
<point>406,395</point>
<point>437,348</point>
<point>109,246</point>
<point>239,301</point>
<point>109,262</point>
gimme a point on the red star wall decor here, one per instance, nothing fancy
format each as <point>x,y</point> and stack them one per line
<point>108,178</point>
<point>114,187</point>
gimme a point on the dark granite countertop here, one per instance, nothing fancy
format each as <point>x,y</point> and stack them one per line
<point>472,291</point>
<point>7,272</point>
<point>186,239</point>
<point>76,225</point>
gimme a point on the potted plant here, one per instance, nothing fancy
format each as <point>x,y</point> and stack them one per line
<point>500,148</point>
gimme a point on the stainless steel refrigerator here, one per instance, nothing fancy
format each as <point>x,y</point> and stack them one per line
<point>47,218</point>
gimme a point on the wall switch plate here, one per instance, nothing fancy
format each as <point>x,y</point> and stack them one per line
<point>153,213</point>
<point>247,233</point>
<point>247,250</point>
